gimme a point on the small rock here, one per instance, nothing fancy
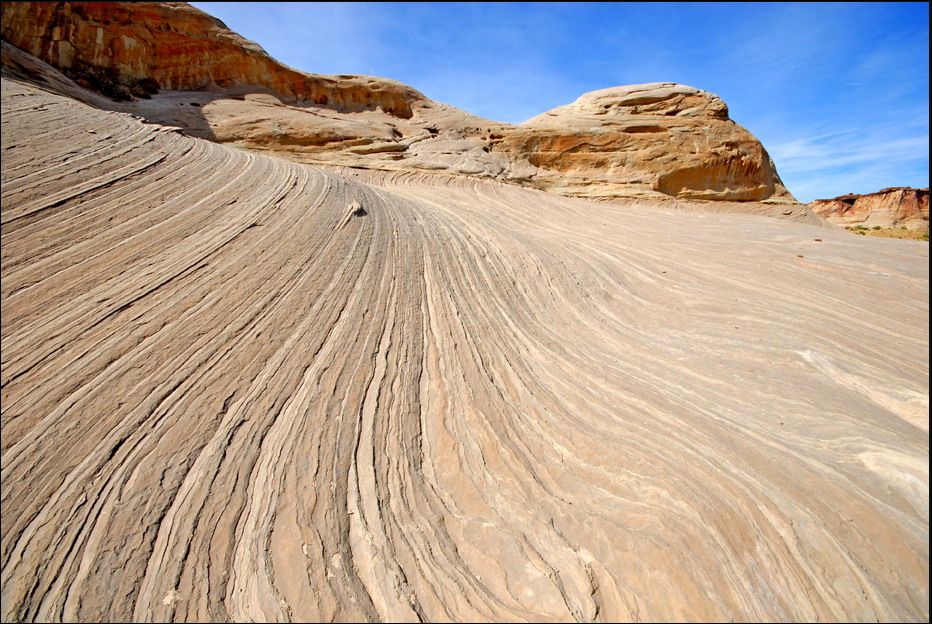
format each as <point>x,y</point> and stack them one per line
<point>356,209</point>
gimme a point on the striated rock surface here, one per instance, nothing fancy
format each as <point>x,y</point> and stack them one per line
<point>653,141</point>
<point>238,388</point>
<point>888,208</point>
<point>390,387</point>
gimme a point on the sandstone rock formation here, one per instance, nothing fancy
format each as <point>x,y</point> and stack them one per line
<point>654,141</point>
<point>230,394</point>
<point>890,207</point>
<point>235,387</point>
<point>180,48</point>
<point>662,137</point>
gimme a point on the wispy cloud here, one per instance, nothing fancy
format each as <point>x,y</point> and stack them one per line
<point>854,161</point>
<point>848,149</point>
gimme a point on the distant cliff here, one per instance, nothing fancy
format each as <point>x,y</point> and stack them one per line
<point>890,207</point>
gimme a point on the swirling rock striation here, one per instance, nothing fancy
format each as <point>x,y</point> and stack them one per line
<point>240,388</point>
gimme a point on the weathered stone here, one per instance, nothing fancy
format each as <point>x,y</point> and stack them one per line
<point>651,141</point>
<point>891,207</point>
<point>180,48</point>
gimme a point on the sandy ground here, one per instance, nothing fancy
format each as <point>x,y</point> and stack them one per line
<point>884,232</point>
<point>230,393</point>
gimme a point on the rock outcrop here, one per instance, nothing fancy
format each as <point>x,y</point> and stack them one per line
<point>662,137</point>
<point>651,141</point>
<point>238,388</point>
<point>180,48</point>
<point>891,207</point>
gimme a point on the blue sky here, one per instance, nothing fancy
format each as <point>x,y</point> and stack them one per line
<point>837,93</point>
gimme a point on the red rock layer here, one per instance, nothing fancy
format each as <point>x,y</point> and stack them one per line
<point>182,48</point>
<point>890,207</point>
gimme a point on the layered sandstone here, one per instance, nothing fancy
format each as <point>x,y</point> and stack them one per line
<point>180,48</point>
<point>653,141</point>
<point>241,388</point>
<point>897,207</point>
<point>238,388</point>
<point>664,137</point>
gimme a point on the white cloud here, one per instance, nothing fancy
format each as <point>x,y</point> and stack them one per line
<point>890,148</point>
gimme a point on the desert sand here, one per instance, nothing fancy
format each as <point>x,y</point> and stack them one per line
<point>236,387</point>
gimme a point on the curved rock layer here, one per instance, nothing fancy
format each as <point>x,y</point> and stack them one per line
<point>653,141</point>
<point>892,207</point>
<point>239,388</point>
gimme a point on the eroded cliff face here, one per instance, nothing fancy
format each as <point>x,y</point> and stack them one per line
<point>180,48</point>
<point>891,207</point>
<point>648,141</point>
